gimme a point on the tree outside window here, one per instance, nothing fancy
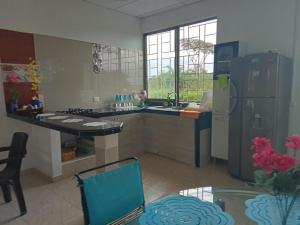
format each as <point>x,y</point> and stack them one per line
<point>196,55</point>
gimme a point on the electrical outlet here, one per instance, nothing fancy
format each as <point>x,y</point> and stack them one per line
<point>96,99</point>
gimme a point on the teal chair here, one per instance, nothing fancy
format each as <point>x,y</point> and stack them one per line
<point>114,196</point>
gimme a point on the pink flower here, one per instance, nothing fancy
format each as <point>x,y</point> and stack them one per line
<point>143,95</point>
<point>259,144</point>
<point>284,163</point>
<point>13,77</point>
<point>293,142</point>
<point>265,159</point>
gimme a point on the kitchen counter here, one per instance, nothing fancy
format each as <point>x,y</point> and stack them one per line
<point>45,142</point>
<point>108,111</point>
<point>105,112</point>
<point>159,129</point>
<point>202,122</point>
<point>76,128</point>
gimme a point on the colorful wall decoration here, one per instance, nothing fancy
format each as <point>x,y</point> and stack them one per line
<point>16,52</point>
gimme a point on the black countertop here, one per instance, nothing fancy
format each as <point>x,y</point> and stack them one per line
<point>97,115</point>
<point>77,128</point>
<point>204,120</point>
<point>104,112</point>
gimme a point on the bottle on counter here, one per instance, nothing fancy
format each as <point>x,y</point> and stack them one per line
<point>118,101</point>
<point>130,101</point>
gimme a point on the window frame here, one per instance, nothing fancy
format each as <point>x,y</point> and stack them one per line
<point>176,59</point>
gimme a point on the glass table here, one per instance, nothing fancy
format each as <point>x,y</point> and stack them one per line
<point>232,200</point>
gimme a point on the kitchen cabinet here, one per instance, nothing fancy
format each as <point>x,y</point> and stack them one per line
<point>170,136</point>
<point>219,145</point>
<point>131,137</point>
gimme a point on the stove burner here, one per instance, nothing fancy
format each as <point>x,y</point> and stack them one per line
<point>78,111</point>
<point>81,112</point>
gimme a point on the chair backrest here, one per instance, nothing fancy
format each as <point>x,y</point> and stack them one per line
<point>113,194</point>
<point>17,151</point>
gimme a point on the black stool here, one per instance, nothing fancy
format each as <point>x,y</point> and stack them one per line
<point>10,175</point>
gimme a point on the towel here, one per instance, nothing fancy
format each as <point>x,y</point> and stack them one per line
<point>190,114</point>
<point>223,80</point>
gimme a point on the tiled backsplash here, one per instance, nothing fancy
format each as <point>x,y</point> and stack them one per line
<point>68,79</point>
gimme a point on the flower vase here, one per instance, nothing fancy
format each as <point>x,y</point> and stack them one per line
<point>284,208</point>
<point>36,103</point>
<point>14,105</point>
<point>142,104</point>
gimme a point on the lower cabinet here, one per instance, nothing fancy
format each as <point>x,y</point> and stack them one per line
<point>170,136</point>
<point>220,129</point>
<point>131,137</point>
<point>165,135</point>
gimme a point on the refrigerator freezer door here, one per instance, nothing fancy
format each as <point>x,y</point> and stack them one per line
<point>261,75</point>
<point>234,142</point>
<point>258,120</point>
<point>219,145</point>
<point>220,99</point>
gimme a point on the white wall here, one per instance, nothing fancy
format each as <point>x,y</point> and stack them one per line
<point>72,19</point>
<point>259,24</point>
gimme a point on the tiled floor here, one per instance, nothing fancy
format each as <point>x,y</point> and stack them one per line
<point>59,203</point>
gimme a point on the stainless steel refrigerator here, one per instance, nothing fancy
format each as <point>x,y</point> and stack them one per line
<point>259,106</point>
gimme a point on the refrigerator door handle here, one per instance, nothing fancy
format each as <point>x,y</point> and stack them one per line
<point>257,120</point>
<point>235,93</point>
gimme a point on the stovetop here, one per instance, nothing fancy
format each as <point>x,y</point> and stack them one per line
<point>101,112</point>
<point>81,112</point>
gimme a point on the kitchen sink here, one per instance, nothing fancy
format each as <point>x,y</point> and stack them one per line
<point>173,107</point>
<point>177,107</point>
<point>160,107</point>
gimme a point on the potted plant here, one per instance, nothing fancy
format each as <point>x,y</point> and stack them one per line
<point>13,78</point>
<point>143,97</point>
<point>33,73</point>
<point>278,173</point>
<point>34,76</point>
<point>14,99</point>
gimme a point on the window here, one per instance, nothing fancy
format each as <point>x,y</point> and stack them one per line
<point>196,59</point>
<point>161,64</point>
<point>182,65</point>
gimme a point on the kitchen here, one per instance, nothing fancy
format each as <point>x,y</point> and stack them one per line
<point>60,65</point>
<point>87,64</point>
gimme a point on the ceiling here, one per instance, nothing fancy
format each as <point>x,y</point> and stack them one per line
<point>141,8</point>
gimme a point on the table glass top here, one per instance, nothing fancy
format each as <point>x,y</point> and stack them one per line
<point>231,199</point>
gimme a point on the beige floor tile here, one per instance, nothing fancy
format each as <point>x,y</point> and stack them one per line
<point>9,215</point>
<point>33,178</point>
<point>68,190</point>
<point>76,220</point>
<point>44,207</point>
<point>59,203</point>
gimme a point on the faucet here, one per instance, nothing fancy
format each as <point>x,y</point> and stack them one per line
<point>169,100</point>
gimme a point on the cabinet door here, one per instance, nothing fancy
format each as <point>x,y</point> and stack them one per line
<point>258,120</point>
<point>130,138</point>
<point>220,137</point>
<point>261,75</point>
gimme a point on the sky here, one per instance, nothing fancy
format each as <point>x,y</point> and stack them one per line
<point>160,48</point>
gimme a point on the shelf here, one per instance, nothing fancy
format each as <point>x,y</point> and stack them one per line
<point>79,158</point>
